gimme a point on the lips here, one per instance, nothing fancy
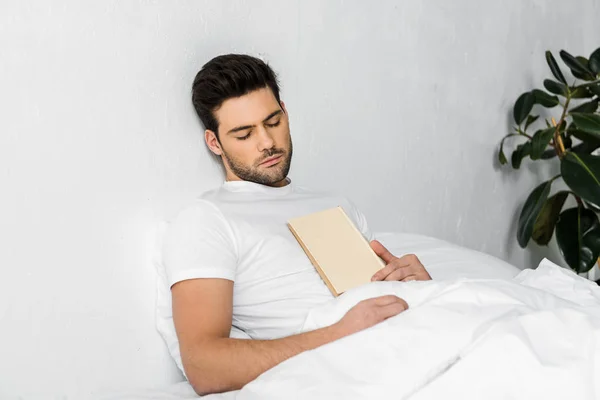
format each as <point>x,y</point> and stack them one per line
<point>271,161</point>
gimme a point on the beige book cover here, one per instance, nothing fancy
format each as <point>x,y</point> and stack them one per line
<point>336,248</point>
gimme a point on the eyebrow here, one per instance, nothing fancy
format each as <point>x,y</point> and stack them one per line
<point>244,127</point>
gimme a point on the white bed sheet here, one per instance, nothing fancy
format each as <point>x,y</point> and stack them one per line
<point>536,336</point>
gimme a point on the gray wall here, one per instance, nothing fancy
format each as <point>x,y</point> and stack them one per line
<point>399,105</point>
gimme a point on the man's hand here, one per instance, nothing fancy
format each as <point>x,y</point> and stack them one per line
<point>370,312</point>
<point>406,268</point>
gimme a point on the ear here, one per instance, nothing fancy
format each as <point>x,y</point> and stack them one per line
<point>283,107</point>
<point>212,142</point>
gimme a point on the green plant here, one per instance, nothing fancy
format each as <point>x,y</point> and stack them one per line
<point>572,140</point>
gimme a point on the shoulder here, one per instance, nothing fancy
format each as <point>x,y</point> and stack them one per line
<point>198,210</point>
<point>201,217</point>
<point>198,243</point>
<point>204,206</point>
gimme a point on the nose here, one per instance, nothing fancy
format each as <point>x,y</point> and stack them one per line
<point>265,140</point>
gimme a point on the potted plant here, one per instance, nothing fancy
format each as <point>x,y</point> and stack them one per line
<point>570,136</point>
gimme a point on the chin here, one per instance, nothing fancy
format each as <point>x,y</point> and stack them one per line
<point>276,176</point>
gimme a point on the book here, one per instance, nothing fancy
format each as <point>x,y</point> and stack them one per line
<point>341,255</point>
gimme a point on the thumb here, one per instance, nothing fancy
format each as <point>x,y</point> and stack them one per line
<point>381,251</point>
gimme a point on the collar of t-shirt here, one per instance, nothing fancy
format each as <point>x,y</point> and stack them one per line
<point>253,187</point>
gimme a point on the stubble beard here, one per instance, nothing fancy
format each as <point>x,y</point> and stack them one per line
<point>263,175</point>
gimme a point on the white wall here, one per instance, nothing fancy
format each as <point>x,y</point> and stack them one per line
<point>400,105</point>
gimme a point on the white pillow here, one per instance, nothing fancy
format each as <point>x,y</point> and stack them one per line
<point>444,260</point>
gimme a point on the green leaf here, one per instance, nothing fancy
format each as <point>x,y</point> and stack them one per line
<point>589,108</point>
<point>567,141</point>
<point>585,76</point>
<point>585,147</point>
<point>531,210</point>
<point>522,151</point>
<point>577,68</point>
<point>584,136</point>
<point>584,61</point>
<point>594,62</point>
<point>523,107</point>
<point>580,92</point>
<point>540,141</point>
<point>554,67</point>
<point>578,238</point>
<point>544,99</point>
<point>581,172</point>
<point>563,126</point>
<point>587,122</point>
<point>530,120</point>
<point>555,87</point>
<point>548,154</point>
<point>501,156</point>
<point>595,89</point>
<point>546,220</point>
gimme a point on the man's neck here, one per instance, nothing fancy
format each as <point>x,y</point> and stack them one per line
<point>284,182</point>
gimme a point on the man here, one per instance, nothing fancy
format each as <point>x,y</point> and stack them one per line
<point>230,259</point>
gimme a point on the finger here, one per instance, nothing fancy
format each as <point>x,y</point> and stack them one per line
<point>381,251</point>
<point>409,259</point>
<point>385,300</point>
<point>410,278</point>
<point>399,274</point>
<point>392,309</point>
<point>385,271</point>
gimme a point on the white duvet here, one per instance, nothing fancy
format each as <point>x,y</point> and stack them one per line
<point>479,330</point>
<point>536,336</point>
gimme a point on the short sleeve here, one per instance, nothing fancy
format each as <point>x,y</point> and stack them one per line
<point>359,220</point>
<point>199,243</point>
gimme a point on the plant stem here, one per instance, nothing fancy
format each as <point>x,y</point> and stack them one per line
<point>522,133</point>
<point>558,143</point>
<point>579,201</point>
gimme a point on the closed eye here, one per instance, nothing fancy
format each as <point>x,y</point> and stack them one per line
<point>274,124</point>
<point>244,137</point>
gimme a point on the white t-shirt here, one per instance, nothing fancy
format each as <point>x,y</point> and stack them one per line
<point>239,232</point>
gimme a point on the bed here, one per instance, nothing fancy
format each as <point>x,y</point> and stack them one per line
<point>481,328</point>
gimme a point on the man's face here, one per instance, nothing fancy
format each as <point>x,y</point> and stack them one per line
<point>255,142</point>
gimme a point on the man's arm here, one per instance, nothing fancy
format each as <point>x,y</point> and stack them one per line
<point>213,362</point>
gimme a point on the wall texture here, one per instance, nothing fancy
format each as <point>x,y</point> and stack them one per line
<point>400,105</point>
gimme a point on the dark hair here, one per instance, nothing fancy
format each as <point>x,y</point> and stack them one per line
<point>225,77</point>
